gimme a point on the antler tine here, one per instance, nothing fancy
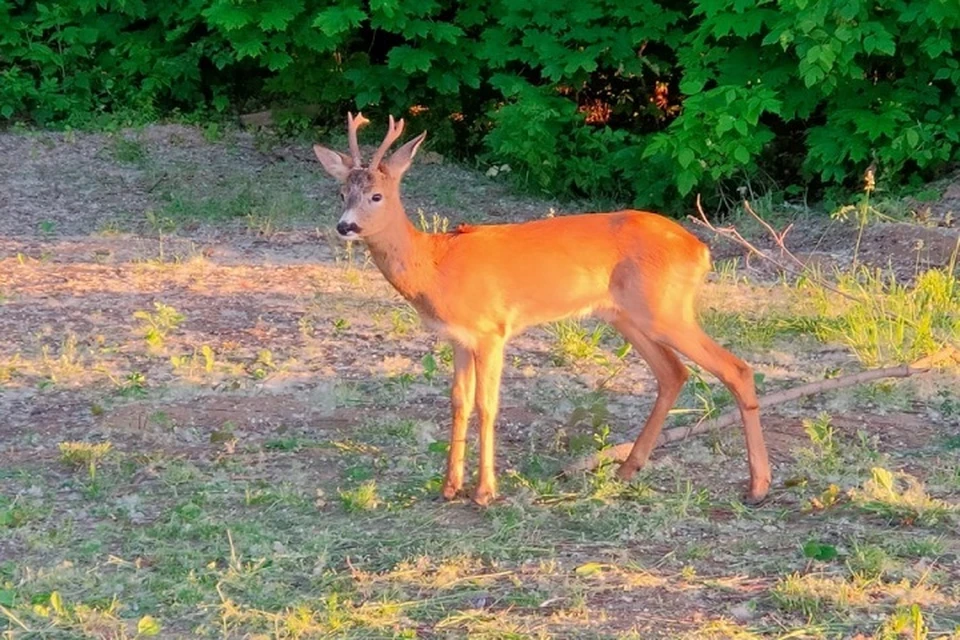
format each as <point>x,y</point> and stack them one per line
<point>354,123</point>
<point>393,132</point>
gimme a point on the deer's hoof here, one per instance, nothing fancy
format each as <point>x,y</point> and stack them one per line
<point>484,496</point>
<point>756,496</point>
<point>626,471</point>
<point>451,490</point>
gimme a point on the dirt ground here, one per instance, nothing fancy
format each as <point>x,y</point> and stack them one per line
<point>280,375</point>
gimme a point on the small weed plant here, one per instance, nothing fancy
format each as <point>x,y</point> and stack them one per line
<point>901,496</point>
<point>158,324</point>
<point>575,343</point>
<point>79,455</point>
<point>361,498</point>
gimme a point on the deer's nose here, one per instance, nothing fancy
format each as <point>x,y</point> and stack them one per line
<point>346,228</point>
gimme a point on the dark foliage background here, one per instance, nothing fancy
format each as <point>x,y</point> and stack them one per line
<point>644,101</point>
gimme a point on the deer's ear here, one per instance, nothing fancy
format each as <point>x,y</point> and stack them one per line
<point>335,163</point>
<point>398,163</point>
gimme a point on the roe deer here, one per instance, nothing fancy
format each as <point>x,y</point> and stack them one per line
<point>481,285</point>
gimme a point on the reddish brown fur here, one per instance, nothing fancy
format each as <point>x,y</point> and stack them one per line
<point>481,285</point>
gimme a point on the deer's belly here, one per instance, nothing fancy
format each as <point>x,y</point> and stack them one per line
<point>459,334</point>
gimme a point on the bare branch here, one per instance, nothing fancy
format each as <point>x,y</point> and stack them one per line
<point>619,452</point>
<point>731,233</point>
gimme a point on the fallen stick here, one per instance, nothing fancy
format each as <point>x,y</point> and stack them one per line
<point>619,452</point>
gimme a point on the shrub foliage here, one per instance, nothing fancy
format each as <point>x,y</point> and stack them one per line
<point>648,99</point>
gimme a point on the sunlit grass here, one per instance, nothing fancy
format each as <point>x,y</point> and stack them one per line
<point>576,343</point>
<point>901,496</point>
<point>890,322</point>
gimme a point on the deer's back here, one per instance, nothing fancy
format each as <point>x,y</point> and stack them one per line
<point>534,272</point>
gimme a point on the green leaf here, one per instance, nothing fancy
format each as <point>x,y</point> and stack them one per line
<point>692,83</point>
<point>624,349</point>
<point>885,43</point>
<point>387,7</point>
<point>410,60</point>
<point>686,181</point>
<point>508,84</point>
<point>785,38</point>
<point>725,123</point>
<point>279,15</point>
<point>880,41</point>
<point>685,156</point>
<point>228,16</point>
<point>913,138</point>
<point>7,597</point>
<point>445,83</point>
<point>445,32</point>
<point>337,20</point>
<point>580,60</point>
<point>429,364</point>
<point>811,73</point>
<point>368,96</point>
<point>277,60</point>
<point>849,10</point>
<point>249,44</point>
<point>819,551</point>
<point>935,46</point>
<point>827,57</point>
<point>741,154</point>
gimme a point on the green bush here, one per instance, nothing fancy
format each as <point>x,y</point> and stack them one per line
<point>547,145</point>
<point>647,101</point>
<point>856,80</point>
<point>69,61</point>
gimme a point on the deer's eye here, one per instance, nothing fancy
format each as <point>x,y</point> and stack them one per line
<point>342,196</point>
<point>376,197</point>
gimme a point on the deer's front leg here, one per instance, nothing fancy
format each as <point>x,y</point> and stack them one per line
<point>462,399</point>
<point>489,363</point>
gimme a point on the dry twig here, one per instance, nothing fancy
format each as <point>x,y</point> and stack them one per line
<point>731,233</point>
<point>619,452</point>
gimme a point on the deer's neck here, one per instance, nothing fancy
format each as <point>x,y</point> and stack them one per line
<point>405,257</point>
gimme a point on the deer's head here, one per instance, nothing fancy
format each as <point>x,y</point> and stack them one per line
<point>370,194</point>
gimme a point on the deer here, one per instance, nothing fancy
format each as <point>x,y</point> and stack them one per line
<point>481,285</point>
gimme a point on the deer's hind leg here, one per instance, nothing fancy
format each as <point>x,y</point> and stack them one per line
<point>667,317</point>
<point>737,376</point>
<point>671,375</point>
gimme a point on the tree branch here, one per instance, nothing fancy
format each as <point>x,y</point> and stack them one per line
<point>731,233</point>
<point>619,452</point>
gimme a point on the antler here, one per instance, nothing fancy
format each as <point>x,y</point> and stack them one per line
<point>354,123</point>
<point>393,132</point>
